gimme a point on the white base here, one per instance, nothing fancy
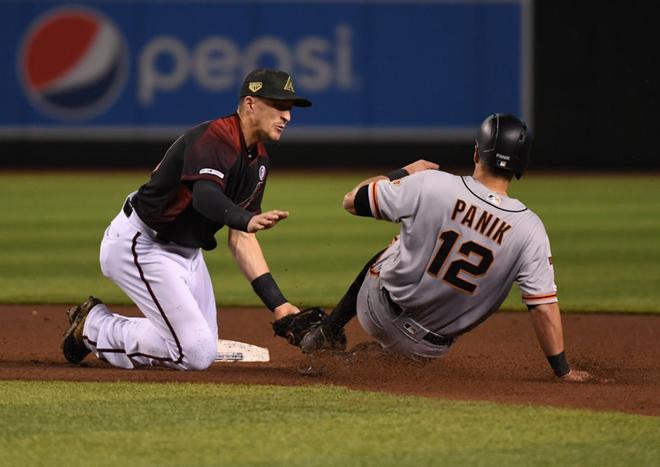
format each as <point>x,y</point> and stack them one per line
<point>234,351</point>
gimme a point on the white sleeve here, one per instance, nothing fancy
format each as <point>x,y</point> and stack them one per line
<point>394,200</point>
<point>536,277</point>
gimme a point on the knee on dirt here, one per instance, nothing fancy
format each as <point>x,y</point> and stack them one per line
<point>199,351</point>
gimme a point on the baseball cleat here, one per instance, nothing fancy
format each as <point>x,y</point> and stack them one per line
<point>321,338</point>
<point>73,345</point>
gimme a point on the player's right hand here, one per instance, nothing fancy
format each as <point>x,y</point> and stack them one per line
<point>420,165</point>
<point>266,220</point>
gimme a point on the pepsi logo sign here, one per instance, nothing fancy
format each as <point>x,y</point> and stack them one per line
<point>73,63</point>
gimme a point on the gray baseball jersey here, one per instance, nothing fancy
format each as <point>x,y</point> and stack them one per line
<point>460,248</point>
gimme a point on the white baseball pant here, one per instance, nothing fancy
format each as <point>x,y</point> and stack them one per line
<point>171,286</point>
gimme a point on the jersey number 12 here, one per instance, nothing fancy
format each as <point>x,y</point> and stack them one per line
<point>448,238</point>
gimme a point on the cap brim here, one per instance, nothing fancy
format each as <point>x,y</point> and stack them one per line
<point>302,102</point>
<point>296,101</point>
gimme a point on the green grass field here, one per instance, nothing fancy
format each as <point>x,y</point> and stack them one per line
<point>605,234</point>
<point>200,424</point>
<point>604,231</point>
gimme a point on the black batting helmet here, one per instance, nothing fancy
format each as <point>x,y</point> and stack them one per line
<point>504,142</point>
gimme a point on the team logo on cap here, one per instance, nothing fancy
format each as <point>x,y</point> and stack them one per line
<point>288,86</point>
<point>254,86</point>
<point>73,63</point>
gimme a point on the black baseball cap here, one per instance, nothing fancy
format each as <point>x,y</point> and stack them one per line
<point>272,84</point>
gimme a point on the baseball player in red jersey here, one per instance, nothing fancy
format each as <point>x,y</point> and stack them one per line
<point>462,244</point>
<point>213,175</point>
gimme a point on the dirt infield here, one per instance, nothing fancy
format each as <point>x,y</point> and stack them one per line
<point>499,361</point>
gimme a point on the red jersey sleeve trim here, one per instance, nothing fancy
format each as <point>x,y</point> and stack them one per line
<point>374,200</point>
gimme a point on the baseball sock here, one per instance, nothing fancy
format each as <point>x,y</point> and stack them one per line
<point>346,309</point>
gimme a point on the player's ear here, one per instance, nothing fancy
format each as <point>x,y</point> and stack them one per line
<point>475,156</point>
<point>248,103</point>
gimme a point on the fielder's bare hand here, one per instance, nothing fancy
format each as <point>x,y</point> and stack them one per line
<point>579,376</point>
<point>420,165</point>
<point>266,220</point>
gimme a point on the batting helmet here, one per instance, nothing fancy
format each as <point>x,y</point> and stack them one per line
<point>504,142</point>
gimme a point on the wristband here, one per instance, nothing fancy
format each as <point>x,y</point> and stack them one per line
<point>397,174</point>
<point>268,291</point>
<point>361,202</point>
<point>559,364</point>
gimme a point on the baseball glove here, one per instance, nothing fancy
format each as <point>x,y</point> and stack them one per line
<point>294,327</point>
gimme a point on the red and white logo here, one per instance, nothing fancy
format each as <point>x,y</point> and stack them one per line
<point>73,63</point>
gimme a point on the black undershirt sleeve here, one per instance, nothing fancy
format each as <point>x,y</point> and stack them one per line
<point>210,201</point>
<point>361,202</point>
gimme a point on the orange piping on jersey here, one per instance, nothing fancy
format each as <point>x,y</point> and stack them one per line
<point>538,297</point>
<point>372,269</point>
<point>374,196</point>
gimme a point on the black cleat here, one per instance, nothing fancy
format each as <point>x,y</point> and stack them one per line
<point>321,338</point>
<point>73,345</point>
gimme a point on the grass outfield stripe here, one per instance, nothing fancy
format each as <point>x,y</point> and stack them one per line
<point>604,240</point>
<point>74,423</point>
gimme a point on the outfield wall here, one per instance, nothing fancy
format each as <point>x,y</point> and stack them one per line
<point>391,80</point>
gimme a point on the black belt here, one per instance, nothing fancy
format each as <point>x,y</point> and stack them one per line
<point>128,210</point>
<point>429,337</point>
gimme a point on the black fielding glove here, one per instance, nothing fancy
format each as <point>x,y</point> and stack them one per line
<point>294,327</point>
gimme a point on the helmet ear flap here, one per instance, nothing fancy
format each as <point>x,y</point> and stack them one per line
<point>525,150</point>
<point>486,137</point>
<point>522,150</point>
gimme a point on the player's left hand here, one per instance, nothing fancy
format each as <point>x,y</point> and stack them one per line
<point>285,309</point>
<point>266,220</point>
<point>578,376</point>
<point>420,165</point>
<point>295,326</point>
